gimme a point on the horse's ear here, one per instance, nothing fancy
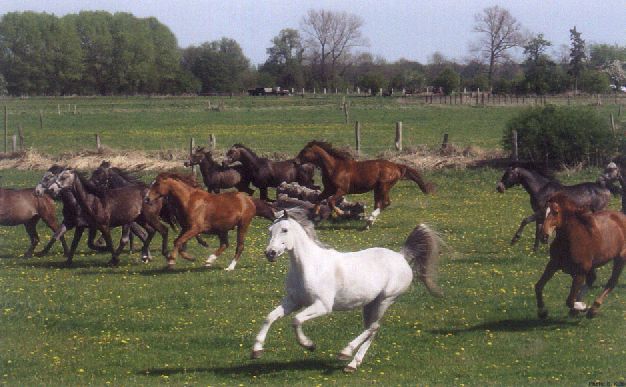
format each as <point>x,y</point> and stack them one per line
<point>555,207</point>
<point>105,164</point>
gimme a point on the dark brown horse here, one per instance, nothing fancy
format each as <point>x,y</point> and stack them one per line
<point>540,184</point>
<point>217,177</point>
<point>584,241</point>
<point>342,175</point>
<point>266,173</point>
<point>22,206</point>
<point>204,212</point>
<point>106,210</point>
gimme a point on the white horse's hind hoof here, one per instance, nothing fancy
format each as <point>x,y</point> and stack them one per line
<point>349,369</point>
<point>580,306</point>
<point>256,354</point>
<point>344,356</point>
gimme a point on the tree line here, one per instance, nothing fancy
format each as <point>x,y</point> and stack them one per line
<point>99,53</point>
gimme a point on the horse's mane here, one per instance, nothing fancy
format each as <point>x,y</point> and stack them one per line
<point>328,148</point>
<point>540,168</point>
<point>301,216</point>
<point>87,184</point>
<point>239,145</point>
<point>56,169</point>
<point>190,180</point>
<point>128,176</point>
<point>570,208</point>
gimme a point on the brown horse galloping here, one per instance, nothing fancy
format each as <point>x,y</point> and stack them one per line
<point>22,206</point>
<point>204,212</point>
<point>342,175</point>
<point>584,241</point>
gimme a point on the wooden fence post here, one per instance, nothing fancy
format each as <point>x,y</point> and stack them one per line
<point>41,119</point>
<point>399,135</point>
<point>98,143</point>
<point>14,138</point>
<point>212,142</point>
<point>6,129</point>
<point>444,143</point>
<point>515,155</point>
<point>346,113</point>
<point>613,124</point>
<point>58,109</point>
<point>192,145</point>
<point>357,136</point>
<point>20,133</point>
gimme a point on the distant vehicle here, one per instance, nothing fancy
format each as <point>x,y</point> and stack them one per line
<point>267,91</point>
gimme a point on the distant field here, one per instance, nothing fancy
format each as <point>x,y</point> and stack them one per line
<point>139,325</point>
<point>265,123</point>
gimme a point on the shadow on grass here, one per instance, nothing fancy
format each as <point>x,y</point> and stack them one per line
<point>513,325</point>
<point>253,368</point>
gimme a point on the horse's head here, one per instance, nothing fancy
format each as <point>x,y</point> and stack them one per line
<point>558,207</point>
<point>306,155</point>
<point>510,178</point>
<point>196,157</point>
<point>63,180</point>
<point>158,188</point>
<point>233,155</point>
<point>100,177</point>
<point>611,173</point>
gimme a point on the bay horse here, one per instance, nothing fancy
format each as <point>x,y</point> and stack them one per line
<point>109,209</point>
<point>22,206</point>
<point>540,184</point>
<point>217,176</point>
<point>584,241</point>
<point>321,280</point>
<point>342,175</point>
<point>204,212</point>
<point>265,173</point>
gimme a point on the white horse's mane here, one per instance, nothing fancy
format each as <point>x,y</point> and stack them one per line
<point>300,216</point>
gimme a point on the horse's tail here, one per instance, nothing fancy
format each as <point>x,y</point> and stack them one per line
<point>416,176</point>
<point>421,249</point>
<point>264,209</point>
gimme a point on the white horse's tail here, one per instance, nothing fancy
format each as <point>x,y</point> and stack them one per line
<point>421,249</point>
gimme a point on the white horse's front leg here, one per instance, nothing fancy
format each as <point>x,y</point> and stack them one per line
<point>315,310</point>
<point>360,354</point>
<point>287,306</point>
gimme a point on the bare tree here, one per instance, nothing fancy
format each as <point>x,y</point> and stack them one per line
<point>330,36</point>
<point>499,32</point>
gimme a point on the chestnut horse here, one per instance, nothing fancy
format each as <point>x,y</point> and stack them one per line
<point>342,175</point>
<point>584,241</point>
<point>204,212</point>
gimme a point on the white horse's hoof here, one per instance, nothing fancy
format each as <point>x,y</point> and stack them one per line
<point>344,356</point>
<point>580,306</point>
<point>256,354</point>
<point>349,369</point>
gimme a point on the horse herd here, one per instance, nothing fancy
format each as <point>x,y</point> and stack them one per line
<point>320,280</point>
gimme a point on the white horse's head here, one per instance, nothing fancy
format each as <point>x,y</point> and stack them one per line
<point>282,238</point>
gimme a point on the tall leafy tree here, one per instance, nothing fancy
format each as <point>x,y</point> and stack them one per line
<point>538,66</point>
<point>284,62</point>
<point>578,56</point>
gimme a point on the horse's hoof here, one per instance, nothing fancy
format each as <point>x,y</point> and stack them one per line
<point>349,369</point>
<point>311,347</point>
<point>40,254</point>
<point>114,262</point>
<point>256,354</point>
<point>542,314</point>
<point>514,240</point>
<point>342,356</point>
<point>592,312</point>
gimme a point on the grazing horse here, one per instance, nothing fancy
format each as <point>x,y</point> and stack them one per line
<point>584,241</point>
<point>265,173</point>
<point>540,184</point>
<point>22,206</point>
<point>342,175</point>
<point>204,212</point>
<point>216,176</point>
<point>108,209</point>
<point>322,280</point>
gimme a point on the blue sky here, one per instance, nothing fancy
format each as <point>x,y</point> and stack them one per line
<point>410,29</point>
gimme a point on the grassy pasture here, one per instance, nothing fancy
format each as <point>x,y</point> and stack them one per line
<point>139,325</point>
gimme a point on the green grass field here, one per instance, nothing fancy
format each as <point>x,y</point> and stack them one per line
<point>140,325</point>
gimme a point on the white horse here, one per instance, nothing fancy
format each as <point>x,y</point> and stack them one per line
<point>322,280</point>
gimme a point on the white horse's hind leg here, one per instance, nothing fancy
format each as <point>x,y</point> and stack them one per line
<point>286,307</point>
<point>372,218</point>
<point>310,312</point>
<point>372,313</point>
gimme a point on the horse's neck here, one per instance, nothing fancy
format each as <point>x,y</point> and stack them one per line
<point>533,181</point>
<point>84,198</point>
<point>181,193</point>
<point>207,165</point>
<point>327,162</point>
<point>248,157</point>
<point>306,257</point>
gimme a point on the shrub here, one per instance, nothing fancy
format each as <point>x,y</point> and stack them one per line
<point>561,136</point>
